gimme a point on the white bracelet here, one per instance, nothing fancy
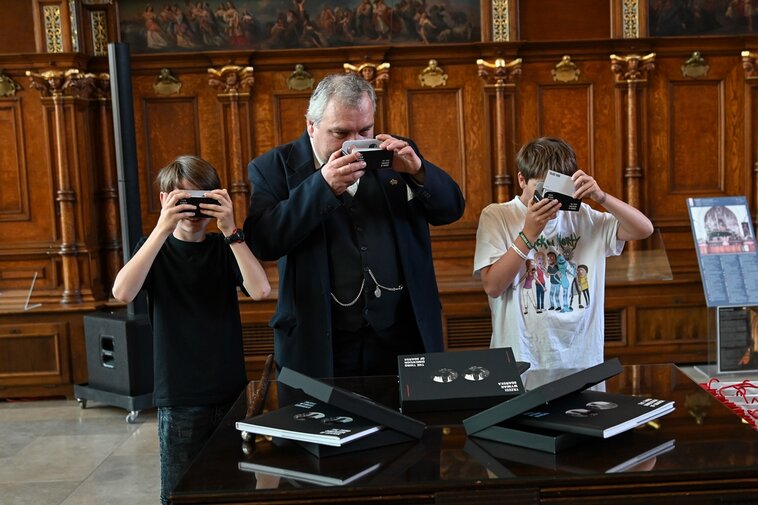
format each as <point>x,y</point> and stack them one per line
<point>519,252</point>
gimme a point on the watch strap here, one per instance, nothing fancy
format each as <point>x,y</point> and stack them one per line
<point>237,237</point>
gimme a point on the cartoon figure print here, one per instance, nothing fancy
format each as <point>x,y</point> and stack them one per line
<point>555,281</point>
<point>564,270</point>
<point>568,253</point>
<point>527,296</point>
<point>540,270</point>
<point>583,285</point>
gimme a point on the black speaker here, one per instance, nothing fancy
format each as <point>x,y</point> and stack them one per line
<point>119,352</point>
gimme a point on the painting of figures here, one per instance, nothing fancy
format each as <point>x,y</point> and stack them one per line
<point>189,25</point>
<point>702,17</point>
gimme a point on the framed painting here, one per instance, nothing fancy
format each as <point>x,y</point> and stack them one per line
<point>702,17</point>
<point>188,25</point>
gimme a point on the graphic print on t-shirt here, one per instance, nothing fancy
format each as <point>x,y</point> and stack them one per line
<point>553,274</point>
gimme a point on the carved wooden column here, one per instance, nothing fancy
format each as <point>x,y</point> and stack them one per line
<point>59,89</point>
<point>499,80</point>
<point>110,234</point>
<point>233,84</point>
<point>750,65</point>
<point>377,75</point>
<point>631,71</point>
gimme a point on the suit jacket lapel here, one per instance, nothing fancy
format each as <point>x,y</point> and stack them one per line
<point>300,162</point>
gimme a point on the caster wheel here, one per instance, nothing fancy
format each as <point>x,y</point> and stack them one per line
<point>247,437</point>
<point>131,417</point>
<point>82,403</point>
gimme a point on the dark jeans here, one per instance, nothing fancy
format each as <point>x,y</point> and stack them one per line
<point>182,432</point>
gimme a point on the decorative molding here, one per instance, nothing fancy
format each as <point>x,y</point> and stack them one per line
<point>73,15</point>
<point>8,86</point>
<point>750,64</point>
<point>499,73</point>
<point>69,82</point>
<point>53,28</point>
<point>300,79</point>
<point>501,21</point>
<point>99,32</point>
<point>632,68</point>
<point>166,84</point>
<point>375,74</point>
<point>695,67</point>
<point>432,76</point>
<point>631,19</point>
<point>232,79</point>
<point>565,70</point>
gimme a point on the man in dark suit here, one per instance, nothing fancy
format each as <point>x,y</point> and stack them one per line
<point>356,280</point>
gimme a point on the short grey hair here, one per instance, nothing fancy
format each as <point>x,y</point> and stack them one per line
<point>348,89</point>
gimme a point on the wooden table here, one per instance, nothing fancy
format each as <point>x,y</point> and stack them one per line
<point>714,459</point>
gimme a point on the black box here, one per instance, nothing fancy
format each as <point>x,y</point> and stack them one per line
<point>492,423</point>
<point>352,402</point>
<point>119,352</point>
<point>458,380</point>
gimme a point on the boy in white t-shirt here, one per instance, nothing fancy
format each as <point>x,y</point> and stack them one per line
<point>559,247</point>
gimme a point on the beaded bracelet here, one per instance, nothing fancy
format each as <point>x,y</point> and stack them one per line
<point>519,252</point>
<point>529,245</point>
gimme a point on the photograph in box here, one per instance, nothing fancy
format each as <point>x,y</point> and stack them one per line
<point>458,380</point>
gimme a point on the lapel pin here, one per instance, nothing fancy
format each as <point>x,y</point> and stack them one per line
<point>393,181</point>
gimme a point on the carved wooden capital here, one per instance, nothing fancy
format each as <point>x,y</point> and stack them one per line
<point>749,64</point>
<point>499,73</point>
<point>69,82</point>
<point>231,79</point>
<point>8,86</point>
<point>375,74</point>
<point>632,68</point>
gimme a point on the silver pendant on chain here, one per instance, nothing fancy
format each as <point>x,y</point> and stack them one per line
<point>378,292</point>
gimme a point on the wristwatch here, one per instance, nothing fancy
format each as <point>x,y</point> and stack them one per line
<point>237,237</point>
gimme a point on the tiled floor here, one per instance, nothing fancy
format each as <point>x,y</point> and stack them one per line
<point>53,452</point>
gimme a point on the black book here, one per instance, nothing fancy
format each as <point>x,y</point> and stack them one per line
<point>352,402</point>
<point>381,438</point>
<point>459,380</point>
<point>494,423</point>
<point>310,421</point>
<point>594,413</point>
<point>290,462</point>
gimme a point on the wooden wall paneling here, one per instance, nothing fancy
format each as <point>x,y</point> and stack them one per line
<point>169,128</point>
<point>750,70</point>
<point>14,198</point>
<point>541,20</point>
<point>289,115</point>
<point>34,353</point>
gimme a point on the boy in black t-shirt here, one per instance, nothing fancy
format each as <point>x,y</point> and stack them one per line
<point>191,280</point>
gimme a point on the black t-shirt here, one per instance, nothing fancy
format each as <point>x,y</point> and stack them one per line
<point>197,332</point>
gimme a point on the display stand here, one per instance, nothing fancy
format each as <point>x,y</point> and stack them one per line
<point>732,333</point>
<point>728,260</point>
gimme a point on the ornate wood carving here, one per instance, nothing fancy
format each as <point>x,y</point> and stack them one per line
<point>433,75</point>
<point>8,86</point>
<point>166,84</point>
<point>565,70</point>
<point>377,75</point>
<point>233,83</point>
<point>58,87</point>
<point>300,79</point>
<point>632,71</point>
<point>695,66</point>
<point>499,78</point>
